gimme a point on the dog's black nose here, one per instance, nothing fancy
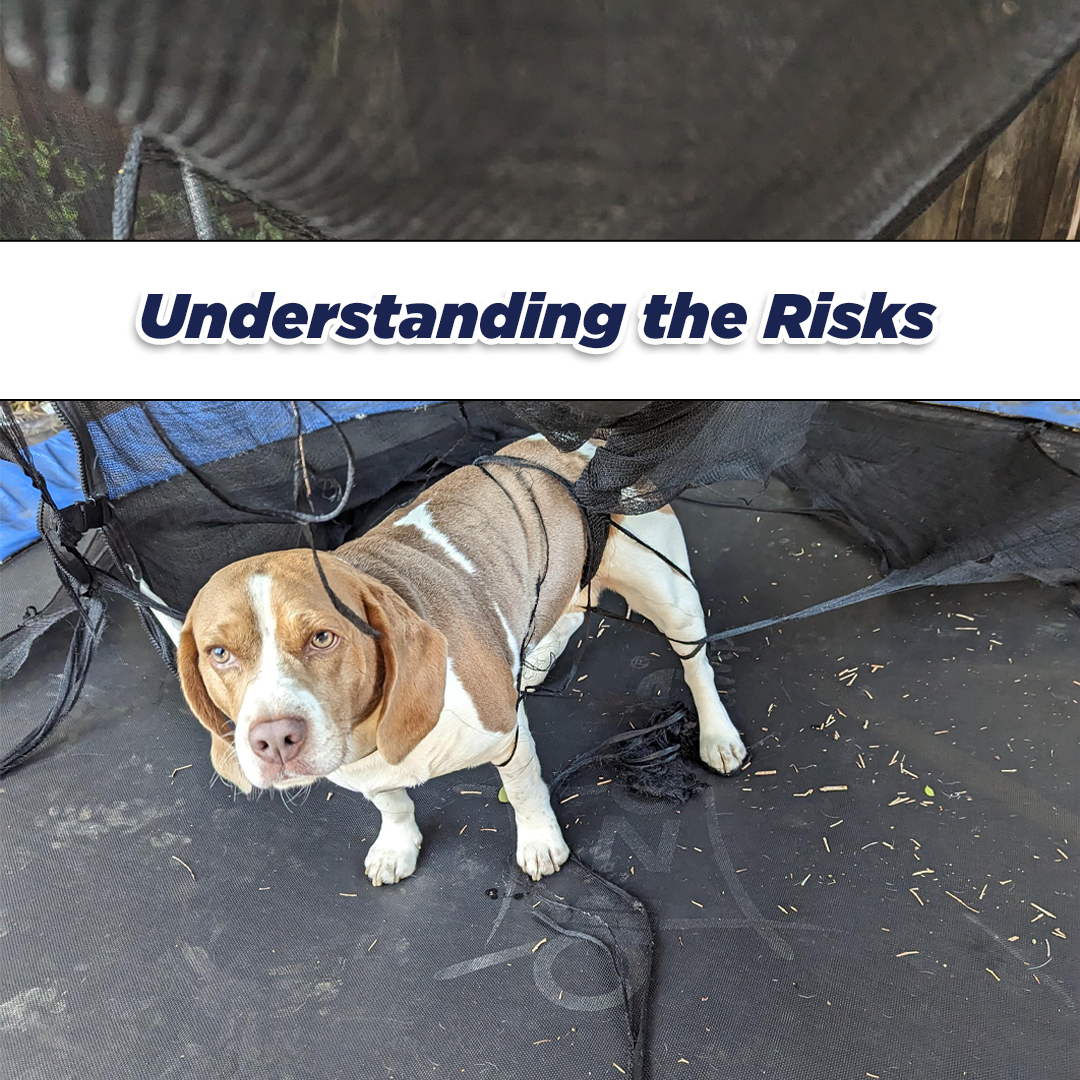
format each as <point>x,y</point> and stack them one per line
<point>278,741</point>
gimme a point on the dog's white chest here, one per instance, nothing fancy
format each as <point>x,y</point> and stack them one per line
<point>458,741</point>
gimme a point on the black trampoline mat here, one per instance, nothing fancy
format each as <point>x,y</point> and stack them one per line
<point>154,925</point>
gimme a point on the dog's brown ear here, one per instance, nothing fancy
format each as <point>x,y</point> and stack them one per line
<point>222,752</point>
<point>414,671</point>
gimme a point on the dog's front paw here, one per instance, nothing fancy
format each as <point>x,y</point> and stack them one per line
<point>389,863</point>
<point>540,854</point>
<point>724,754</point>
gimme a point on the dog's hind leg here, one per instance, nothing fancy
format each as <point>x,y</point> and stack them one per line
<point>542,656</point>
<point>671,603</point>
<point>541,848</point>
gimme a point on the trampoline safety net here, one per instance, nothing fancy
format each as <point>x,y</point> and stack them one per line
<point>671,119</point>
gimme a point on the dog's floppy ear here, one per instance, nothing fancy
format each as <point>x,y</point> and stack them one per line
<point>222,752</point>
<point>414,671</point>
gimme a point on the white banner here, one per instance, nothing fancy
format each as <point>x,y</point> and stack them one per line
<point>441,320</point>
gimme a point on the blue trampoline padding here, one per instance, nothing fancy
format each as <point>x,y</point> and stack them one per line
<point>1053,412</point>
<point>205,432</point>
<point>58,463</point>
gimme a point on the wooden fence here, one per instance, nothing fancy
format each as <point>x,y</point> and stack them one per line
<point>1026,184</point>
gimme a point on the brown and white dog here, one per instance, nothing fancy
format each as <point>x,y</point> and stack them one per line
<point>291,691</point>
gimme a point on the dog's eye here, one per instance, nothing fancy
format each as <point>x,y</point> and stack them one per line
<point>323,639</point>
<point>220,655</point>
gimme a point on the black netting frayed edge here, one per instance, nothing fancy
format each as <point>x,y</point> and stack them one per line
<point>84,642</point>
<point>656,762</point>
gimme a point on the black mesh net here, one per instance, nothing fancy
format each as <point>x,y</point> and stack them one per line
<point>902,475</point>
<point>886,469</point>
<point>182,532</point>
<point>410,118</point>
<point>655,452</point>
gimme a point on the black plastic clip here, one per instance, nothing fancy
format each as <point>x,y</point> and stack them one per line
<point>84,516</point>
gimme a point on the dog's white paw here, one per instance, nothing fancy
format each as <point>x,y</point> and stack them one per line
<point>541,853</point>
<point>724,753</point>
<point>389,862</point>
